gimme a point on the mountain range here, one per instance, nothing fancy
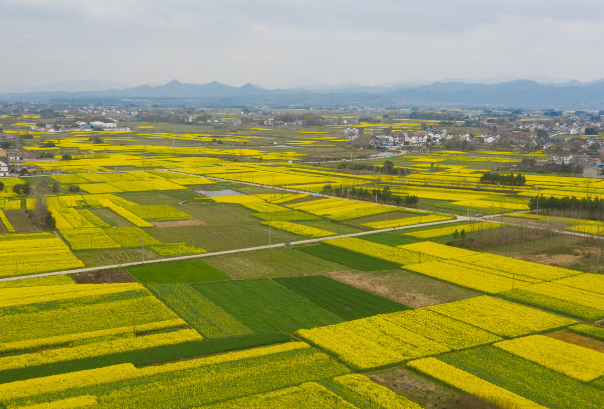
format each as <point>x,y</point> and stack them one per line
<point>518,93</point>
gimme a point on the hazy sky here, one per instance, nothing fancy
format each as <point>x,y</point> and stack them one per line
<point>279,42</point>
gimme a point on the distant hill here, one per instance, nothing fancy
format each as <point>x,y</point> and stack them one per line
<point>519,93</point>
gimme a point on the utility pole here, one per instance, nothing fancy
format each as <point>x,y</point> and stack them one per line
<point>143,246</point>
<point>172,129</point>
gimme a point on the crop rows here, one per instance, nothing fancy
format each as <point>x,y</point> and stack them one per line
<point>501,317</point>
<point>206,317</point>
<point>340,209</point>
<point>181,384</point>
<point>568,359</point>
<point>36,254</point>
<point>390,339</point>
<point>7,224</point>
<point>266,307</point>
<point>438,250</point>
<point>407,221</point>
<point>299,229</point>
<point>449,230</point>
<point>469,383</point>
<point>349,258</point>
<point>517,375</point>
<point>343,300</point>
<point>467,276</point>
<point>393,254</point>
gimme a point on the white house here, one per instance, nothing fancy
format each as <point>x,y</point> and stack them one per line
<point>563,158</point>
<point>3,166</point>
<point>103,125</point>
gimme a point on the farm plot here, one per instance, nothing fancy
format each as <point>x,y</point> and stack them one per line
<point>312,395</point>
<point>571,360</point>
<point>266,307</point>
<point>501,317</point>
<point>468,276</point>
<point>392,254</point>
<point>22,254</point>
<point>441,251</point>
<point>525,378</point>
<point>449,230</point>
<point>182,384</point>
<point>389,239</point>
<point>469,383</point>
<point>407,221</point>
<point>588,330</point>
<point>340,209</point>
<point>377,395</point>
<point>343,300</point>
<point>206,317</point>
<point>36,313</point>
<point>285,216</point>
<point>299,229</point>
<point>19,220</point>
<point>101,353</point>
<point>562,299</point>
<point>520,267</point>
<point>390,339</point>
<point>186,271</point>
<point>587,282</point>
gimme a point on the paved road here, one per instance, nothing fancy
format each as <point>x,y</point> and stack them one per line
<point>235,251</point>
<point>219,253</point>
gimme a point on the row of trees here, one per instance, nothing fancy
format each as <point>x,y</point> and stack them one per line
<point>384,195</point>
<point>503,179</point>
<point>592,208</point>
<point>387,169</point>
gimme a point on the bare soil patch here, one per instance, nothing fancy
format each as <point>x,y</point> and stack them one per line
<point>416,388</point>
<point>558,260</point>
<point>577,339</point>
<point>103,277</point>
<point>407,288</point>
<point>180,223</point>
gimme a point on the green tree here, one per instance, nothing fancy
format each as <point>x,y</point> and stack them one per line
<point>22,188</point>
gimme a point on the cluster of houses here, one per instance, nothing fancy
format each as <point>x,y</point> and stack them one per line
<point>576,128</point>
<point>82,127</point>
<point>13,162</point>
<point>271,122</point>
<point>417,139</point>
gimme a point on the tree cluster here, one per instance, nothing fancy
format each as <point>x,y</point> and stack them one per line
<point>387,169</point>
<point>503,179</point>
<point>22,188</point>
<point>590,207</point>
<point>381,195</point>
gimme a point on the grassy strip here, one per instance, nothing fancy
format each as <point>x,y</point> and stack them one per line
<point>146,356</point>
<point>341,299</point>
<point>349,258</point>
<point>187,271</point>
